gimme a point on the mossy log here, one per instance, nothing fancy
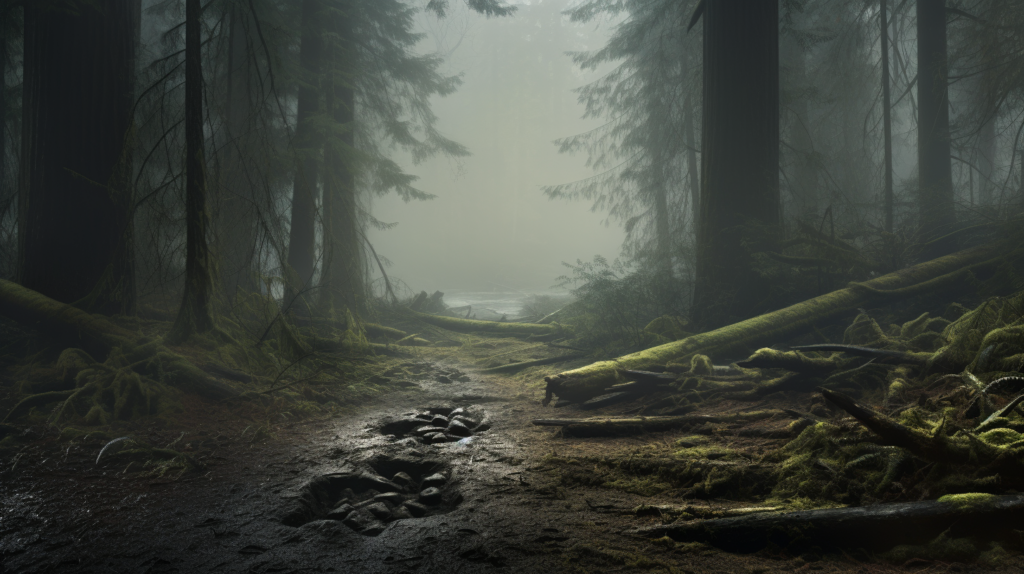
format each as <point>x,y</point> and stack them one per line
<point>514,367</point>
<point>771,328</point>
<point>877,527</point>
<point>68,326</point>
<point>491,327</point>
<point>617,426</point>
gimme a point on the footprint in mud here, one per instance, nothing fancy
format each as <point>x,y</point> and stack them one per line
<point>365,501</point>
<point>435,425</point>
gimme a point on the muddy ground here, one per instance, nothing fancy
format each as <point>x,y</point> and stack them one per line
<point>507,502</point>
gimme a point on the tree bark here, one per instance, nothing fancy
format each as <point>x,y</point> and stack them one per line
<point>886,118</point>
<point>740,153</point>
<point>803,180</point>
<point>302,236</point>
<point>691,163</point>
<point>75,200</point>
<point>342,279</point>
<point>935,172</point>
<point>235,214</point>
<point>195,314</point>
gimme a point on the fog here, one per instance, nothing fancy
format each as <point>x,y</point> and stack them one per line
<point>490,226</point>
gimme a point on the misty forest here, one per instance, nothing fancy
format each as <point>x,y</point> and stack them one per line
<point>511,285</point>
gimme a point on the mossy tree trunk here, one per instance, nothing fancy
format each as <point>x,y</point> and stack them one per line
<point>935,172</point>
<point>75,197</point>
<point>740,157</point>
<point>195,314</point>
<point>342,280</point>
<point>302,235</point>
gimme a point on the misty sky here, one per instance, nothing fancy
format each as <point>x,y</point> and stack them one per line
<point>490,226</point>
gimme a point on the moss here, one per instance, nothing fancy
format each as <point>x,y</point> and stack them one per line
<point>1001,436</point>
<point>970,500</point>
<point>944,548</point>
<point>864,331</point>
<point>701,365</point>
<point>911,329</point>
<point>668,327</point>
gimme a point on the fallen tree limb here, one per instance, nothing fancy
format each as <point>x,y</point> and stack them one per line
<point>513,367</point>
<point>878,527</point>
<point>936,447</point>
<point>585,382</point>
<point>636,425</point>
<point>896,356</point>
<point>494,327</point>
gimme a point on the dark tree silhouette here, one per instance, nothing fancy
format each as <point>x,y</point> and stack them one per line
<point>195,314</point>
<point>935,172</point>
<point>302,234</point>
<point>75,199</point>
<point>740,157</point>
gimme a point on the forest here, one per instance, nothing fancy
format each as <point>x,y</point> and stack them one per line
<point>511,285</point>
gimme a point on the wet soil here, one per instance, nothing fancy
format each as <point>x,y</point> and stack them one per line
<point>268,501</point>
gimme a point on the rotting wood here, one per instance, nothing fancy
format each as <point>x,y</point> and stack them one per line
<point>879,526</point>
<point>588,381</point>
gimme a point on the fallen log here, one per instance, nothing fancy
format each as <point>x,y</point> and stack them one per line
<point>68,326</point>
<point>875,527</point>
<point>585,382</point>
<point>513,367</point>
<point>492,327</point>
<point>617,426</point>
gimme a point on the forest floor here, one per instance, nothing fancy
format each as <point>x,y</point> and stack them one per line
<point>517,497</point>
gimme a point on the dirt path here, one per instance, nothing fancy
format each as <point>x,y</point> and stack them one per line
<point>502,508</point>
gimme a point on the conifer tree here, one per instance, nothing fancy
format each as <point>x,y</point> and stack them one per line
<point>75,193</point>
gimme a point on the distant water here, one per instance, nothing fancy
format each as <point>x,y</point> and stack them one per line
<point>492,303</point>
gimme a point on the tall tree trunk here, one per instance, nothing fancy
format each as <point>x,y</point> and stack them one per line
<point>691,162</point>
<point>986,152</point>
<point>886,118</point>
<point>302,235</point>
<point>75,200</point>
<point>235,222</point>
<point>935,173</point>
<point>195,314</point>
<point>342,282</point>
<point>740,158</point>
<point>804,178</point>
